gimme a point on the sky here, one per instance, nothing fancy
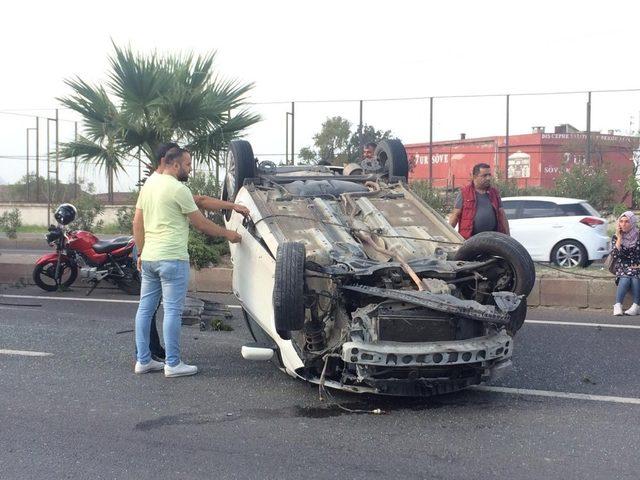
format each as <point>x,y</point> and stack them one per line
<point>334,50</point>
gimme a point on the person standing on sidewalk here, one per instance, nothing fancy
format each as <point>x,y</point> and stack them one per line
<point>478,207</point>
<point>626,255</point>
<point>161,230</point>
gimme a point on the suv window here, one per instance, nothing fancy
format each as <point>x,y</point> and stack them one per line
<point>540,209</point>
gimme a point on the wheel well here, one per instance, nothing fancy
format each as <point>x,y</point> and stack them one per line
<point>567,240</point>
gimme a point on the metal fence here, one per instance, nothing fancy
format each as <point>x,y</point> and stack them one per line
<point>30,138</point>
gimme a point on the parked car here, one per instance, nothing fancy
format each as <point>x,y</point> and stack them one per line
<point>566,231</point>
<point>348,280</point>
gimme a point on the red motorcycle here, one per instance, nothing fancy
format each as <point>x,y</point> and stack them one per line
<point>79,251</point>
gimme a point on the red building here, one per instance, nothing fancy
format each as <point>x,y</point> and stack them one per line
<point>535,159</point>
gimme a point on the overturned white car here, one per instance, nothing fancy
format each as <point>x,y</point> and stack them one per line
<point>351,281</point>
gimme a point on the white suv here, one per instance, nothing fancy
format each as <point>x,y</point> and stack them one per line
<point>566,231</point>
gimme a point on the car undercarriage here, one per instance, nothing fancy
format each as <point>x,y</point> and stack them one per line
<point>355,283</point>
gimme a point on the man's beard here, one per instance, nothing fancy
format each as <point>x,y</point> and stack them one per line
<point>182,175</point>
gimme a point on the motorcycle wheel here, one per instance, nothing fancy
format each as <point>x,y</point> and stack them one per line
<point>44,275</point>
<point>131,283</point>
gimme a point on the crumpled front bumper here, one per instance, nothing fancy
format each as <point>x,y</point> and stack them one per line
<point>491,348</point>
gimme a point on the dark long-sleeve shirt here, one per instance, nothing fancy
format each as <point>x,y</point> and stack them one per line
<point>626,259</point>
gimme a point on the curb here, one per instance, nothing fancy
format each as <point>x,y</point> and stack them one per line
<point>205,280</point>
<point>547,291</point>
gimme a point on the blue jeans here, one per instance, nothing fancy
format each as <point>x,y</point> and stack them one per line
<point>626,283</point>
<point>169,279</point>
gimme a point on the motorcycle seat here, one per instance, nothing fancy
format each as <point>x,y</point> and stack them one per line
<point>106,246</point>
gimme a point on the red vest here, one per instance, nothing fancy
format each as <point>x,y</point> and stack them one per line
<point>468,213</point>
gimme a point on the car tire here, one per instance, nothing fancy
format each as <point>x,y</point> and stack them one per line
<point>392,155</point>
<point>569,253</point>
<point>288,289</point>
<point>241,164</point>
<point>495,244</point>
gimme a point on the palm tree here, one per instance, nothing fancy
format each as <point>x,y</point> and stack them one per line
<point>148,100</point>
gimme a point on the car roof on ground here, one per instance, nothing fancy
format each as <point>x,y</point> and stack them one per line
<point>558,200</point>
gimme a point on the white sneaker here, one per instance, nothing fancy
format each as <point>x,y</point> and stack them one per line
<point>617,311</point>
<point>634,310</point>
<point>180,370</point>
<point>152,366</point>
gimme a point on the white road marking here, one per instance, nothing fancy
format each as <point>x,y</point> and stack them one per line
<point>75,299</point>
<point>547,393</point>
<point>26,353</point>
<point>583,324</point>
<point>113,300</point>
<point>83,299</point>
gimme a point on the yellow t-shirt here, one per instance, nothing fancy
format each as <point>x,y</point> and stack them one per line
<point>165,203</point>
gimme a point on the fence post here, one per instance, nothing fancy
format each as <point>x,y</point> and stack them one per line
<point>589,128</point>
<point>28,193</point>
<point>360,127</point>
<point>293,130</point>
<point>37,159</point>
<point>431,142</point>
<point>506,145</point>
<point>75,163</point>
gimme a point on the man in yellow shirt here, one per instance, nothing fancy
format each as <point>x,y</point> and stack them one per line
<point>161,230</point>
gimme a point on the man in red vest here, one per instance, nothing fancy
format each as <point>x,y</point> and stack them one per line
<point>478,207</point>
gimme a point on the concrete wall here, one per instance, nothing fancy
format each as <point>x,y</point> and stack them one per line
<point>36,213</point>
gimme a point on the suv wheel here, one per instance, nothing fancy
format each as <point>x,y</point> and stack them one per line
<point>569,253</point>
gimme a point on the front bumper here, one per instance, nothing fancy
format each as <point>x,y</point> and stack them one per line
<point>490,348</point>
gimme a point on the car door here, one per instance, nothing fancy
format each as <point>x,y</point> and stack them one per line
<point>538,227</point>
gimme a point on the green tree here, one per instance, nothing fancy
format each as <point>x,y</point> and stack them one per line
<point>338,144</point>
<point>369,134</point>
<point>151,99</point>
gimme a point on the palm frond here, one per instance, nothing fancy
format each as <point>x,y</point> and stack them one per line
<point>136,80</point>
<point>87,151</point>
<point>100,115</point>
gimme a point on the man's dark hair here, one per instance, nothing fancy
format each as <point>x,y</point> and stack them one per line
<point>371,145</point>
<point>324,162</point>
<point>477,167</point>
<point>174,155</point>
<point>163,149</point>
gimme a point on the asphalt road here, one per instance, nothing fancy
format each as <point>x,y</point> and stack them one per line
<point>81,413</point>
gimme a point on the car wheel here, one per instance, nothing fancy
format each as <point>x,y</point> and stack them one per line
<point>241,164</point>
<point>392,155</point>
<point>569,253</point>
<point>515,273</point>
<point>288,289</point>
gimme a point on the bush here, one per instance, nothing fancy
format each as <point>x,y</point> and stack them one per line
<point>431,196</point>
<point>10,222</point>
<point>89,208</point>
<point>586,182</point>
<point>509,188</point>
<point>124,216</point>
<point>619,209</point>
<point>205,250</point>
